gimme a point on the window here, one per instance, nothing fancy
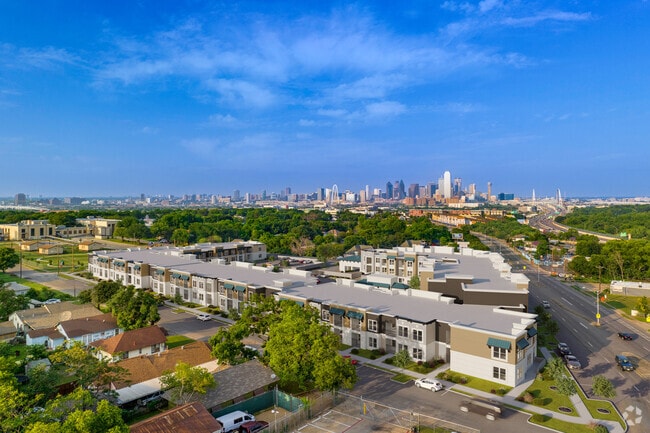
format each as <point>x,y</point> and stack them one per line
<point>409,264</point>
<point>499,373</point>
<point>403,331</point>
<point>372,342</point>
<point>499,353</point>
<point>417,353</point>
<point>401,347</point>
<point>325,315</point>
<point>417,335</point>
<point>372,325</point>
<point>369,260</point>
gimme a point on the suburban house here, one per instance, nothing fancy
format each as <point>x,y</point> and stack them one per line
<point>50,315</point>
<point>7,331</point>
<point>17,288</point>
<point>235,383</point>
<point>85,330</point>
<point>30,245</point>
<point>50,249</point>
<point>89,245</point>
<point>144,371</point>
<point>188,418</point>
<point>130,344</point>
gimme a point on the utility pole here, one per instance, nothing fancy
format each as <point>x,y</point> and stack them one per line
<point>600,268</point>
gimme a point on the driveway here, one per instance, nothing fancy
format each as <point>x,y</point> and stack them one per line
<point>178,322</point>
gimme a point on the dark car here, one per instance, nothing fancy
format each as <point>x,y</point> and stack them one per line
<point>624,363</point>
<point>626,336</point>
<point>253,426</point>
<point>563,348</point>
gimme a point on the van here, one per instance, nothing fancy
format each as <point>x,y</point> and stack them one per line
<point>491,409</point>
<point>233,420</point>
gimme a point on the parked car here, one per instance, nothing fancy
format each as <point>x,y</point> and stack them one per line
<point>204,317</point>
<point>572,362</point>
<point>352,360</point>
<point>626,336</point>
<point>490,409</point>
<point>253,426</point>
<point>624,363</point>
<point>234,420</point>
<point>563,348</point>
<point>52,301</point>
<point>430,384</point>
<point>546,304</point>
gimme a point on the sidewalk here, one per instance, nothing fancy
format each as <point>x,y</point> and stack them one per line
<point>510,399</point>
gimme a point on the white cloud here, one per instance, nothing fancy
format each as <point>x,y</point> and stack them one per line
<point>204,147</point>
<point>488,5</point>
<point>386,108</point>
<point>241,92</point>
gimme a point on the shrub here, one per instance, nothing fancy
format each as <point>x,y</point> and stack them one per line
<point>528,397</point>
<point>538,401</point>
<point>601,429</point>
<point>538,417</point>
<point>502,391</point>
<point>463,380</point>
<point>354,351</point>
<point>419,362</point>
<point>493,391</point>
<point>389,361</point>
<point>373,356</point>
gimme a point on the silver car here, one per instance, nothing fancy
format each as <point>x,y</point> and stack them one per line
<point>427,383</point>
<point>572,362</point>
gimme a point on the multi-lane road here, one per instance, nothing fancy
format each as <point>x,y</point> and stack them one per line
<point>595,346</point>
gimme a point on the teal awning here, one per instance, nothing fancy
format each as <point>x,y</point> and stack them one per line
<point>409,259</point>
<point>184,277</point>
<point>229,286</point>
<point>355,315</point>
<point>136,267</point>
<point>522,344</point>
<point>240,288</point>
<point>175,275</point>
<point>400,286</point>
<point>118,264</point>
<point>160,271</point>
<point>532,332</point>
<point>391,257</point>
<point>339,311</point>
<point>495,342</point>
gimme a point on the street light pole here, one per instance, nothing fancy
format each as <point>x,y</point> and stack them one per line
<point>598,298</point>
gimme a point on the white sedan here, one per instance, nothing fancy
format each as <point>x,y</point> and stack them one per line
<point>204,317</point>
<point>427,383</point>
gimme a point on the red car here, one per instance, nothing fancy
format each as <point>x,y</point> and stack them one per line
<point>253,426</point>
<point>352,361</point>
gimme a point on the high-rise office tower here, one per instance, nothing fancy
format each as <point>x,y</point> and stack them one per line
<point>389,190</point>
<point>20,199</point>
<point>489,191</point>
<point>458,186</point>
<point>414,190</point>
<point>446,191</point>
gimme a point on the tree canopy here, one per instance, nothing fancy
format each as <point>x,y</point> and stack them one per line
<point>134,308</point>
<point>10,302</point>
<point>8,258</point>
<point>185,382</point>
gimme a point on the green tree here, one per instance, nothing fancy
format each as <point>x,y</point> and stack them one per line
<point>642,305</point>
<point>554,368</point>
<point>42,385</point>
<point>565,385</point>
<point>8,258</point>
<point>329,250</point>
<point>181,237</point>
<point>90,373</point>
<point>103,291</point>
<point>13,404</point>
<point>186,381</point>
<point>134,308</point>
<point>603,387</point>
<point>227,346</point>
<point>10,302</point>
<point>301,350</point>
<point>402,359</point>
<point>414,282</point>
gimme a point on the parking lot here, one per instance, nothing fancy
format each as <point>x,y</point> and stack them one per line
<point>178,322</point>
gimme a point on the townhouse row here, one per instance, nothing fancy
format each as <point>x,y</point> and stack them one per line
<point>494,342</point>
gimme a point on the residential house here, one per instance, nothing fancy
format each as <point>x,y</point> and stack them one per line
<point>30,245</point>
<point>7,331</point>
<point>50,315</point>
<point>85,330</point>
<point>188,418</point>
<point>50,249</point>
<point>130,344</point>
<point>18,289</point>
<point>90,245</point>
<point>144,372</point>
<point>237,382</point>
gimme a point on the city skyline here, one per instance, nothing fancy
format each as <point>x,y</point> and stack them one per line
<point>120,99</point>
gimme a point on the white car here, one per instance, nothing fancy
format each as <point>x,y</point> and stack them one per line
<point>546,304</point>
<point>52,301</point>
<point>204,317</point>
<point>427,383</point>
<point>572,362</point>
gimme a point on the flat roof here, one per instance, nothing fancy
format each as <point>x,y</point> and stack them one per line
<point>410,304</point>
<point>162,257</point>
<point>243,273</point>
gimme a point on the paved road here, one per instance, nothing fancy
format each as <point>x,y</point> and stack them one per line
<point>595,346</point>
<point>376,385</point>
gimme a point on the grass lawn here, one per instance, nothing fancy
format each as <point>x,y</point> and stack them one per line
<point>368,354</point>
<point>548,398</point>
<point>178,340</point>
<point>594,405</point>
<point>563,426</point>
<point>402,378</point>
<point>475,382</point>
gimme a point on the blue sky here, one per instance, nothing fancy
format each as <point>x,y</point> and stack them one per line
<point>172,97</point>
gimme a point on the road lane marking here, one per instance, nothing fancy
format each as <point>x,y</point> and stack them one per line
<point>566,301</point>
<point>583,325</point>
<point>590,344</point>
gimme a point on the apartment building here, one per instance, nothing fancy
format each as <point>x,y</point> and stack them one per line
<point>476,340</point>
<point>27,230</point>
<point>469,276</point>
<point>494,342</point>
